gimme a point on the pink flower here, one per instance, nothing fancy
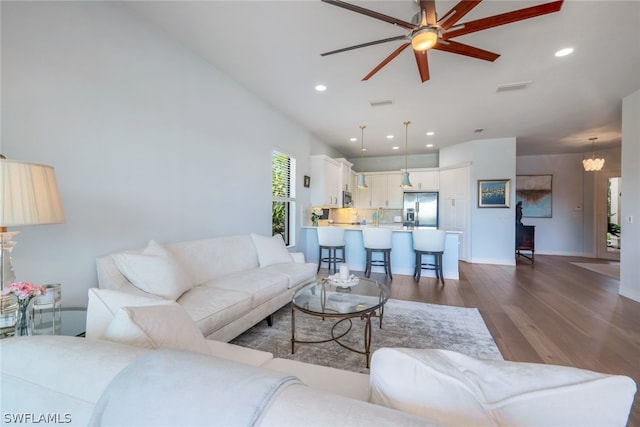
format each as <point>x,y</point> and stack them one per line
<point>24,290</point>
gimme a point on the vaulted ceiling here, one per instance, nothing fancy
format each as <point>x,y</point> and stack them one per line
<point>273,49</point>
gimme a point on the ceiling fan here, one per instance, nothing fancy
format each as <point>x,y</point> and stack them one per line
<point>432,33</point>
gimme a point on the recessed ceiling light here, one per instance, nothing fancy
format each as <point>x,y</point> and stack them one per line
<point>395,148</point>
<point>353,139</point>
<point>564,52</point>
<point>364,149</point>
<point>430,133</point>
<point>429,145</point>
<point>389,136</point>
<point>321,88</point>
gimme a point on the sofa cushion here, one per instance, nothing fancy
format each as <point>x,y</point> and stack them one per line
<point>271,250</point>
<point>155,271</point>
<point>156,326</point>
<point>297,273</point>
<point>212,308</point>
<point>208,259</point>
<point>260,284</point>
<point>455,389</point>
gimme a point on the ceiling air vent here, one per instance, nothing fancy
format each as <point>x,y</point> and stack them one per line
<point>514,86</point>
<point>381,103</point>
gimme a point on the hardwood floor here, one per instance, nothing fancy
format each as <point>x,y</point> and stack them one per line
<point>552,312</point>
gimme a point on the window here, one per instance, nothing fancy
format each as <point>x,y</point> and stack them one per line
<point>283,190</point>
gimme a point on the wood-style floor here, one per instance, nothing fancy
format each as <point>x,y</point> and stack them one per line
<point>552,312</point>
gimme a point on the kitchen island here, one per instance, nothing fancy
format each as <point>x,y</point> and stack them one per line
<point>402,255</point>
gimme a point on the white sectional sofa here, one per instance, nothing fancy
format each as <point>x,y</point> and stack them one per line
<point>226,284</point>
<point>153,367</point>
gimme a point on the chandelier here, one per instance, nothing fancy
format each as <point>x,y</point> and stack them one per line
<point>593,164</point>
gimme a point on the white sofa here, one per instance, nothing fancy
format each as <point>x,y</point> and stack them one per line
<point>135,380</point>
<point>226,284</point>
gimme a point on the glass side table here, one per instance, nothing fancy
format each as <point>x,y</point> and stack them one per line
<point>69,321</point>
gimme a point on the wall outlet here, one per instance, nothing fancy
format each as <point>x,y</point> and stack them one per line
<point>629,219</point>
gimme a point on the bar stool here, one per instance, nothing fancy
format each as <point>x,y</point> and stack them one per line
<point>331,239</point>
<point>428,242</point>
<point>377,240</point>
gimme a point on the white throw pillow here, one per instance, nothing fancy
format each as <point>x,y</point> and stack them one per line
<point>156,326</point>
<point>271,250</point>
<point>154,271</point>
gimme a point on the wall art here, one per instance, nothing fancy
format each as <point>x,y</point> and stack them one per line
<point>493,193</point>
<point>535,192</point>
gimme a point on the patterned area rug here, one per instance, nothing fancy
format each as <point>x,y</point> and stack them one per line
<point>405,324</point>
<point>610,269</point>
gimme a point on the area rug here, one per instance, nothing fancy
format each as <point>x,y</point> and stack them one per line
<point>609,269</point>
<point>405,324</point>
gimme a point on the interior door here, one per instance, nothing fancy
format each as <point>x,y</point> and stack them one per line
<point>608,229</point>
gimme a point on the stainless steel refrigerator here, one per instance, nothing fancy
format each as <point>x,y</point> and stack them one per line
<point>420,209</point>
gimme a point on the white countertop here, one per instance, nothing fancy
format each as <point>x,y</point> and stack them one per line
<point>393,226</point>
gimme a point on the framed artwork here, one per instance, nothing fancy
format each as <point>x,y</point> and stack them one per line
<point>307,181</point>
<point>493,193</point>
<point>535,193</point>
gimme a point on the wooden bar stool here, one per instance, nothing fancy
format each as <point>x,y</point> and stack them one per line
<point>377,240</point>
<point>331,239</point>
<point>428,242</point>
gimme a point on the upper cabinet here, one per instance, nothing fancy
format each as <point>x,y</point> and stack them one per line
<point>424,180</point>
<point>329,178</point>
<point>383,191</point>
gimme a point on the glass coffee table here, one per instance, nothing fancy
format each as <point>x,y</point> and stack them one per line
<point>326,299</point>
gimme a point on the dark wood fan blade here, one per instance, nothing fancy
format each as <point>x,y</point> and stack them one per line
<point>502,19</point>
<point>358,46</point>
<point>456,13</point>
<point>463,49</point>
<point>409,26</point>
<point>429,7</point>
<point>386,61</point>
<point>423,64</point>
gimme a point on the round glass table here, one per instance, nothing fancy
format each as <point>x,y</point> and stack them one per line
<point>363,298</point>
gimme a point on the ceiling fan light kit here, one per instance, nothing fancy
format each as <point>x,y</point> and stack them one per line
<point>431,33</point>
<point>424,38</point>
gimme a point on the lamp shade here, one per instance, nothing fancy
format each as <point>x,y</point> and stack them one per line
<point>405,180</point>
<point>593,164</point>
<point>362,183</point>
<point>28,194</point>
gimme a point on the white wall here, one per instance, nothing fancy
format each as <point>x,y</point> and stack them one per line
<point>630,253</point>
<point>148,140</point>
<point>492,229</point>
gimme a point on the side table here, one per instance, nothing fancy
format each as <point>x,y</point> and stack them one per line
<point>69,321</point>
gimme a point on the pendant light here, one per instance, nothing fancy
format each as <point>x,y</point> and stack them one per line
<point>593,164</point>
<point>405,175</point>
<point>361,181</point>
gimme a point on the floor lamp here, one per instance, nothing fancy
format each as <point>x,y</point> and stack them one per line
<point>28,196</point>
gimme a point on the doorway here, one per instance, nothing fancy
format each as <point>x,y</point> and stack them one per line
<point>609,232</point>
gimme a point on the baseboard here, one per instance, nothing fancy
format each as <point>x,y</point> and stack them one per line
<point>493,261</point>
<point>565,253</point>
<point>630,293</point>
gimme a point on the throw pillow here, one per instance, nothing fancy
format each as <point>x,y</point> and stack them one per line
<point>271,250</point>
<point>155,271</point>
<point>156,326</point>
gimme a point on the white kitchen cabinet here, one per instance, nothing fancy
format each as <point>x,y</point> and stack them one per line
<point>425,180</point>
<point>384,191</point>
<point>326,177</point>
<point>454,205</point>
<point>346,183</point>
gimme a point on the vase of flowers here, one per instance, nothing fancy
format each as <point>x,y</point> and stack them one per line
<point>24,292</point>
<point>315,215</point>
